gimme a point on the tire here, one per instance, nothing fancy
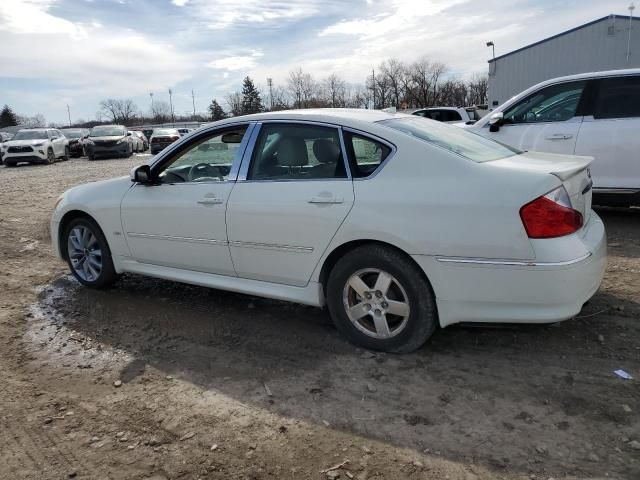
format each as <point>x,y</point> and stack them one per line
<point>9,164</point>
<point>51,157</point>
<point>129,151</point>
<point>67,154</point>
<point>90,269</point>
<point>407,290</point>
<point>91,157</point>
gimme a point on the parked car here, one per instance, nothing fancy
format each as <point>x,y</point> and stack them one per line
<point>184,131</point>
<point>454,115</point>
<point>136,142</point>
<point>147,133</point>
<point>36,145</point>
<point>397,223</point>
<point>162,138</point>
<point>145,142</point>
<point>76,137</point>
<point>108,141</point>
<point>594,114</point>
<point>4,136</point>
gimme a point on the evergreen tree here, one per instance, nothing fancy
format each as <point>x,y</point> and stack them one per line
<point>251,101</point>
<point>216,111</point>
<point>7,117</point>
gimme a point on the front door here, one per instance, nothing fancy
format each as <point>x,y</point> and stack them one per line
<point>295,194</point>
<point>610,135</point>
<point>180,221</point>
<point>545,121</point>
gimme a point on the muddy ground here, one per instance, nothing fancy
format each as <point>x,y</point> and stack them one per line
<point>224,386</point>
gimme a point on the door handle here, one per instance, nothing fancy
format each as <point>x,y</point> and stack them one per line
<point>211,201</point>
<point>559,136</point>
<point>326,200</point>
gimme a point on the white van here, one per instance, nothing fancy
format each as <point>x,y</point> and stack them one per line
<point>595,114</point>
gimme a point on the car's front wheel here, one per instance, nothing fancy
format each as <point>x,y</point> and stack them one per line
<point>88,254</point>
<point>51,157</point>
<point>379,299</point>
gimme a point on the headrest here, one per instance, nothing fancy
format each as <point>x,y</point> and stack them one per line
<point>326,151</point>
<point>292,152</point>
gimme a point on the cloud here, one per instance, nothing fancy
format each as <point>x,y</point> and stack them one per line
<point>237,62</point>
<point>179,3</point>
<point>114,61</point>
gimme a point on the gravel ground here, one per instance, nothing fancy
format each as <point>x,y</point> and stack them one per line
<point>158,380</point>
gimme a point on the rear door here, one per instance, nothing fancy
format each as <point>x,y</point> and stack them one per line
<point>288,202</point>
<point>546,121</point>
<point>610,133</point>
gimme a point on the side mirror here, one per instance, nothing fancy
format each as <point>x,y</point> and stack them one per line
<point>141,174</point>
<point>495,121</point>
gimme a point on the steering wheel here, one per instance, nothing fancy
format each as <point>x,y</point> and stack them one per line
<point>203,172</point>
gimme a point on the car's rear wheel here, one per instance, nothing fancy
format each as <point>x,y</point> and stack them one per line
<point>88,254</point>
<point>10,164</point>
<point>51,157</point>
<point>379,299</point>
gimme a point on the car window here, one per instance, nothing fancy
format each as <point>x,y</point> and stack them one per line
<point>207,159</point>
<point>52,134</point>
<point>297,152</point>
<point>365,154</point>
<point>618,98</point>
<point>556,103</point>
<point>454,139</point>
<point>451,116</point>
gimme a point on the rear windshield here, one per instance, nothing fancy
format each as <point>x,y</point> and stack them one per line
<point>107,132</point>
<point>455,139</point>
<point>165,131</point>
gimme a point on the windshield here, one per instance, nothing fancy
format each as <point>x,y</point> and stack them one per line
<point>107,132</point>
<point>72,133</point>
<point>455,139</point>
<point>31,135</point>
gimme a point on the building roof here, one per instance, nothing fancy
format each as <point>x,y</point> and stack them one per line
<point>612,16</point>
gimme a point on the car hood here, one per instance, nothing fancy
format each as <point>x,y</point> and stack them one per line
<point>23,143</point>
<point>108,138</point>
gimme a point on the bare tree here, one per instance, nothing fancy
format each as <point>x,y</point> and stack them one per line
<point>36,121</point>
<point>302,88</point>
<point>394,73</point>
<point>335,90</point>
<point>234,102</point>
<point>160,111</point>
<point>279,98</point>
<point>478,87</point>
<point>119,110</point>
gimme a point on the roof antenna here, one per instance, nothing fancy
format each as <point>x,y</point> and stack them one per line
<point>632,7</point>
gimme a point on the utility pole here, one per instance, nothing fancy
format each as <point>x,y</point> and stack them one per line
<point>373,86</point>
<point>193,99</point>
<point>631,9</point>
<point>69,114</point>
<point>173,118</point>
<point>270,83</point>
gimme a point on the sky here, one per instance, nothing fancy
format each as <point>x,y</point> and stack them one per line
<point>55,53</point>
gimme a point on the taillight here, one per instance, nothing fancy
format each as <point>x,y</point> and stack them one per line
<point>551,216</point>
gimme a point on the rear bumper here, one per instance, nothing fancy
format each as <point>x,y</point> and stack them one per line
<point>485,290</point>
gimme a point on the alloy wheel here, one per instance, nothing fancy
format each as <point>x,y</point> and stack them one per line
<point>376,303</point>
<point>85,253</point>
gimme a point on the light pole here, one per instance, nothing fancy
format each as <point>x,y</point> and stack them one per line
<point>493,48</point>
<point>173,119</point>
<point>69,114</point>
<point>270,83</point>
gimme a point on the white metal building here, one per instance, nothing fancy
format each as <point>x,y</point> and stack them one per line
<point>608,43</point>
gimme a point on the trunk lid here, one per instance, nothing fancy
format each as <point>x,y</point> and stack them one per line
<point>572,171</point>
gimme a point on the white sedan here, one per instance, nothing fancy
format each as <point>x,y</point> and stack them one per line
<point>397,223</point>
